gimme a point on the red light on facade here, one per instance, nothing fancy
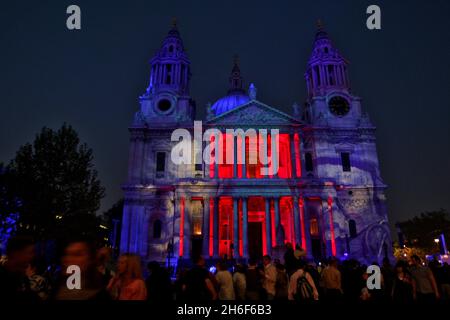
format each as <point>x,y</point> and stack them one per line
<point>181,227</point>
<point>298,163</point>
<point>333,240</point>
<point>302,223</point>
<point>211,227</point>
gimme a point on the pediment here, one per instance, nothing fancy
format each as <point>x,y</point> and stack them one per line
<point>254,113</point>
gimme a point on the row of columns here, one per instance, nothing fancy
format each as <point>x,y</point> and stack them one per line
<point>301,225</point>
<point>295,157</point>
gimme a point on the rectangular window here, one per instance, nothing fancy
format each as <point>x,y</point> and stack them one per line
<point>345,159</point>
<point>198,167</point>
<point>308,162</point>
<point>160,161</point>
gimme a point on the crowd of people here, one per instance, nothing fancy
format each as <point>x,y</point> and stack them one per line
<point>23,278</point>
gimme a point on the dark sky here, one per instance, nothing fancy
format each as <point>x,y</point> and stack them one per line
<point>91,78</point>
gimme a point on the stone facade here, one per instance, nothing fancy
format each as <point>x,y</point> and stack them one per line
<point>327,196</point>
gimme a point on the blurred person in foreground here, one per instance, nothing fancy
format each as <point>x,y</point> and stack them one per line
<point>270,277</point>
<point>128,284</point>
<point>81,253</point>
<point>301,284</point>
<point>239,282</point>
<point>14,283</point>
<point>224,281</point>
<point>331,280</point>
<point>159,286</point>
<point>425,289</point>
<point>104,265</point>
<point>198,284</point>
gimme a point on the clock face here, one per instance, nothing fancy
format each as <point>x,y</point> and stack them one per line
<point>339,106</point>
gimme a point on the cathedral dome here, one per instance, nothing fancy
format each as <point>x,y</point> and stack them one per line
<point>229,102</point>
<point>236,95</point>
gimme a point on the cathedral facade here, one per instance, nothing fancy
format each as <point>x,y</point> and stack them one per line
<point>321,189</point>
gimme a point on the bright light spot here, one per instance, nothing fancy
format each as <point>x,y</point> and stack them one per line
<point>436,240</point>
<point>212,269</point>
<point>103,227</point>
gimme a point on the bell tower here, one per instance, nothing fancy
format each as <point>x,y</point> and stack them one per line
<point>329,97</point>
<point>167,98</point>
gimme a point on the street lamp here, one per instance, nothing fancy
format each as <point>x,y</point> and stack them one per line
<point>436,240</point>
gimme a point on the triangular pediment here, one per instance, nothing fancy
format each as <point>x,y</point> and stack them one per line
<point>254,113</point>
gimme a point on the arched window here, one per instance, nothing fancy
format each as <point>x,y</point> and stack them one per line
<point>352,228</point>
<point>157,226</point>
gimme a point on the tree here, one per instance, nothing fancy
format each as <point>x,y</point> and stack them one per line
<point>421,230</point>
<point>58,186</point>
<point>9,205</point>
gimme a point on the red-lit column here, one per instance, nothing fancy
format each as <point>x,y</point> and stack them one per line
<point>187,228</point>
<point>206,227</point>
<point>297,230</point>
<point>268,226</point>
<point>216,227</point>
<point>244,227</point>
<point>236,227</point>
<point>276,204</point>
<point>302,224</point>
<point>333,239</point>
<point>181,242</point>
<point>244,162</point>
<point>235,156</point>
<point>298,161</point>
<point>292,150</point>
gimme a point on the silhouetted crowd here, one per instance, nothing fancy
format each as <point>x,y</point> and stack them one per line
<point>24,278</point>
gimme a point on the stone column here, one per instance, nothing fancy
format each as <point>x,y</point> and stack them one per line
<point>306,234</point>
<point>176,227</point>
<point>268,226</point>
<point>236,227</point>
<point>216,228</point>
<point>276,204</point>
<point>244,169</point>
<point>125,232</point>
<point>297,222</point>
<point>187,228</point>
<point>293,155</point>
<point>206,223</point>
<point>245,227</point>
<point>235,150</point>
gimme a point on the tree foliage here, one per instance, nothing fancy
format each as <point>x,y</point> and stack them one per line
<point>58,186</point>
<point>421,230</point>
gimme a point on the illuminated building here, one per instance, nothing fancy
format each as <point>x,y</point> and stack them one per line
<point>327,196</point>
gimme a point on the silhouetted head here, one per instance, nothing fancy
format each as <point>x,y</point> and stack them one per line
<point>20,253</point>
<point>267,259</point>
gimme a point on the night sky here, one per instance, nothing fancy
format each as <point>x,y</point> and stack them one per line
<point>92,78</point>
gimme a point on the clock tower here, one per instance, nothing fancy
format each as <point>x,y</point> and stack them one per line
<point>330,100</point>
<point>166,100</point>
<point>339,147</point>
